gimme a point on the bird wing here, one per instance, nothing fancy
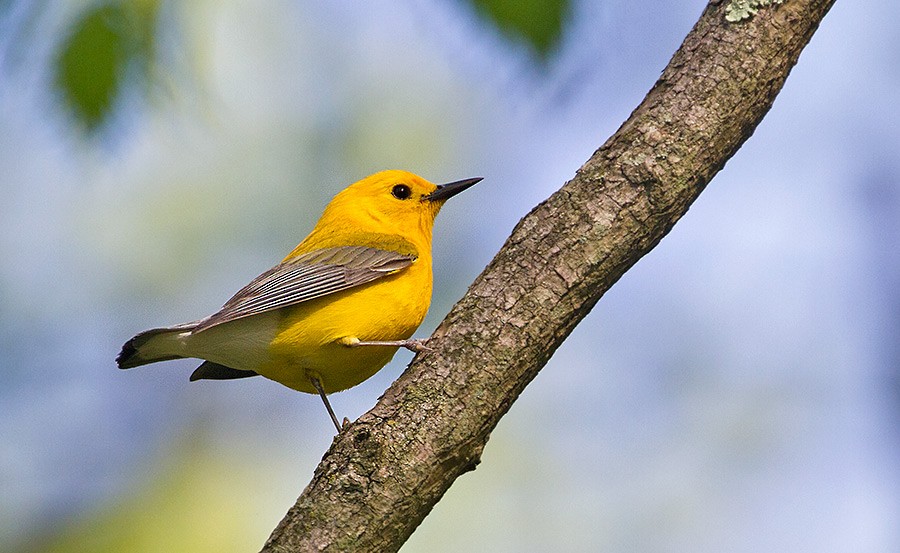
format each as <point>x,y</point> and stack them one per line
<point>307,277</point>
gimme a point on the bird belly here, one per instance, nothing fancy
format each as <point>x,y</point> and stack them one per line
<point>312,336</point>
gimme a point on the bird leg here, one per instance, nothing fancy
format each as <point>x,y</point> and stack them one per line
<point>413,344</point>
<point>318,386</point>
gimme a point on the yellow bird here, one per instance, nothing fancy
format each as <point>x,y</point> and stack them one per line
<point>336,309</point>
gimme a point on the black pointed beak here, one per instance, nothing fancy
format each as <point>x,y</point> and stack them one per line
<point>445,191</point>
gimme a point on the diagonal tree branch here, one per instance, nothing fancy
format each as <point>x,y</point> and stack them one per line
<point>385,472</point>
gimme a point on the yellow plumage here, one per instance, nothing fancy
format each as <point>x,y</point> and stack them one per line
<point>318,321</point>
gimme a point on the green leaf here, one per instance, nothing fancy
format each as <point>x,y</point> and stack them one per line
<point>537,22</point>
<point>93,62</point>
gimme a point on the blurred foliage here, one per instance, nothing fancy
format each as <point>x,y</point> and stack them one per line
<point>182,505</point>
<point>107,44</point>
<point>537,22</point>
<point>113,44</point>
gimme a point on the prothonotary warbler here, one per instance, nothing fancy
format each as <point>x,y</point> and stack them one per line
<point>336,309</point>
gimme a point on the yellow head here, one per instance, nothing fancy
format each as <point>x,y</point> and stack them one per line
<point>396,203</point>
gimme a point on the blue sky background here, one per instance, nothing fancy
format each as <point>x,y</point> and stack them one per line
<point>736,390</point>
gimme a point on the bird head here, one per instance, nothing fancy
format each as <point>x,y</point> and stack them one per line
<point>392,202</point>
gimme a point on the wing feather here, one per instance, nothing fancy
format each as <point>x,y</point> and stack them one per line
<point>307,277</point>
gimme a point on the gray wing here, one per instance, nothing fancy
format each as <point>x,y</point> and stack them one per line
<point>309,276</point>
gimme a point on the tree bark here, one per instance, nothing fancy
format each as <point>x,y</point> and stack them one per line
<point>385,472</point>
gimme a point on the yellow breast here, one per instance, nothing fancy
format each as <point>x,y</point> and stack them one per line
<point>311,336</point>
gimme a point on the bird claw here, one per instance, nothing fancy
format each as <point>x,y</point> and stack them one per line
<point>418,346</point>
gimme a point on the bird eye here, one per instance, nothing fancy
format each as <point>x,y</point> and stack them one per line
<point>401,191</point>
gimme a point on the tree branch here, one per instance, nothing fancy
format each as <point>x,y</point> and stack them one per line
<point>385,472</point>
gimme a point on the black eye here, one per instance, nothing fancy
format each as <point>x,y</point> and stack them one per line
<point>401,191</point>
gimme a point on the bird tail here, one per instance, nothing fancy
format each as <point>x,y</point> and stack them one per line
<point>150,346</point>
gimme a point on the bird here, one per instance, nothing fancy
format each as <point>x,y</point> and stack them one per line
<point>336,309</point>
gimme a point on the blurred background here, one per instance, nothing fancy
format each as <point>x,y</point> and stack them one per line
<point>737,390</point>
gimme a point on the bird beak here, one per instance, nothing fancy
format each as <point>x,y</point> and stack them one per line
<point>446,191</point>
